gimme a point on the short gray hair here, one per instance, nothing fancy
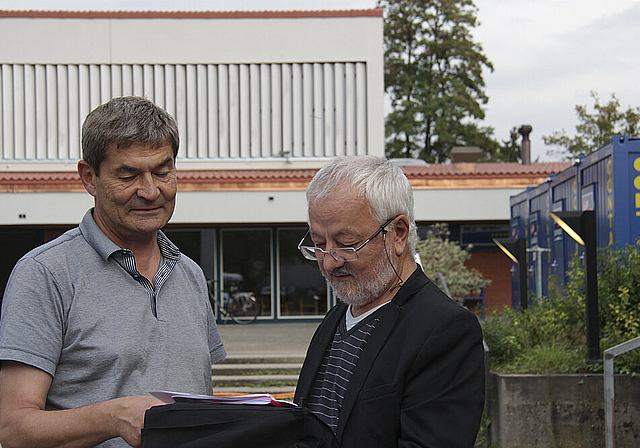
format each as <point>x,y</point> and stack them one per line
<point>382,184</point>
<point>124,121</point>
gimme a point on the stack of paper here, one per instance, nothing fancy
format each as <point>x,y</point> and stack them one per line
<point>259,399</point>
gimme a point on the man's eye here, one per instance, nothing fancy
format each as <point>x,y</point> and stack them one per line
<point>127,178</point>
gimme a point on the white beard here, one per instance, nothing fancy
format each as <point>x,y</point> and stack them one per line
<point>366,291</point>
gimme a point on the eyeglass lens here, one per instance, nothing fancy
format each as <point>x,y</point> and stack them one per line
<point>339,254</point>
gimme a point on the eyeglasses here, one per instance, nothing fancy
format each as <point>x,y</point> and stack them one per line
<point>341,254</point>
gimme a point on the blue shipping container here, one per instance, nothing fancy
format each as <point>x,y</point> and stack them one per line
<point>564,197</point>
<point>610,185</point>
<point>607,181</point>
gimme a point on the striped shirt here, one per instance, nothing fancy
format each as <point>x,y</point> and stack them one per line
<point>170,255</point>
<point>338,364</point>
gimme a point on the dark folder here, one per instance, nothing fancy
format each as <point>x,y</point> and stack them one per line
<point>193,425</point>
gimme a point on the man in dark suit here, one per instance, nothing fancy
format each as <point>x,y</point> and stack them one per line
<point>396,362</point>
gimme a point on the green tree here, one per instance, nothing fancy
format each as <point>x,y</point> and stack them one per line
<point>508,151</point>
<point>439,254</point>
<point>433,75</point>
<point>595,129</point>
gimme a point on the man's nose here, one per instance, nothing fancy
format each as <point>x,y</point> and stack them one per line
<point>329,262</point>
<point>148,188</point>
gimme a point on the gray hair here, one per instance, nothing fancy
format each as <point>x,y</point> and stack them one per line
<point>382,184</point>
<point>124,121</point>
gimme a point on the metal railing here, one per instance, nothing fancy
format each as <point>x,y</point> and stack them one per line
<point>609,389</point>
<point>487,401</point>
<point>445,287</point>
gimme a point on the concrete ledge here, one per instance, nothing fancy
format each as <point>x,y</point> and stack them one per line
<point>247,380</point>
<point>279,392</point>
<point>255,369</point>
<point>561,410</point>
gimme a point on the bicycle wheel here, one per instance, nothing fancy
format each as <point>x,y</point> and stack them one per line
<point>243,308</point>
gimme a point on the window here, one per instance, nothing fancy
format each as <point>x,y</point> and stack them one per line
<point>246,264</point>
<point>303,290</point>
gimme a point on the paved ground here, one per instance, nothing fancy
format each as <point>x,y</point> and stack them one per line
<point>272,351</point>
<point>270,339</point>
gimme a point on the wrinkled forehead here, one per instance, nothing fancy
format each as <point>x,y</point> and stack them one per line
<point>340,210</point>
<point>342,199</point>
<point>145,153</point>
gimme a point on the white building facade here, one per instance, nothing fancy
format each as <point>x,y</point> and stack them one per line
<point>262,100</point>
<point>250,91</point>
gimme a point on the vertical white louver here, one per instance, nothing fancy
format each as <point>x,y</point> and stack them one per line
<point>224,111</point>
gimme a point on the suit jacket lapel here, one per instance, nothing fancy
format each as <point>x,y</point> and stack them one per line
<point>317,348</point>
<point>384,327</point>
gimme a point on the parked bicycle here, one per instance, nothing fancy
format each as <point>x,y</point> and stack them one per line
<point>241,307</point>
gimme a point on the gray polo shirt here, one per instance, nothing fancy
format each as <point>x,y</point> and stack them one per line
<point>78,310</point>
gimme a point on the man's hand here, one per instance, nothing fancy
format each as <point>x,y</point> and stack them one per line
<point>25,422</point>
<point>128,416</point>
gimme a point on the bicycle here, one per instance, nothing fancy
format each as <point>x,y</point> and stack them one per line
<point>241,307</point>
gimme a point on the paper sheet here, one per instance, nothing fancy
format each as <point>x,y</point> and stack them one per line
<point>257,399</point>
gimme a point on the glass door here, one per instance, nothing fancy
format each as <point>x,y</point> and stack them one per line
<point>303,290</point>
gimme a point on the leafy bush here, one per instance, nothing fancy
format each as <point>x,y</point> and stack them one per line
<point>439,254</point>
<point>550,336</point>
<point>619,302</point>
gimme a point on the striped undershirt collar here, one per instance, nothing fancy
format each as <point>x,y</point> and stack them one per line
<point>169,252</point>
<point>106,248</point>
<point>167,248</point>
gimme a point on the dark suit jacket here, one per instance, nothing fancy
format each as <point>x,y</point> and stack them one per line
<point>420,379</point>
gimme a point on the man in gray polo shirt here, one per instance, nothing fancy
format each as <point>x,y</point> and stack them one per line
<point>96,318</point>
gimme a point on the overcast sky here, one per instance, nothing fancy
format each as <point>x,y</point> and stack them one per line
<point>547,54</point>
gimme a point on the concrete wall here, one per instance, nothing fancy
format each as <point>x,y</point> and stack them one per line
<point>561,411</point>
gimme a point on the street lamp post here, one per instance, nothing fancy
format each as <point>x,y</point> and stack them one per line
<point>581,226</point>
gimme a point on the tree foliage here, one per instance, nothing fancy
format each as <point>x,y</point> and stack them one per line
<point>433,75</point>
<point>508,151</point>
<point>595,129</point>
<point>439,254</point>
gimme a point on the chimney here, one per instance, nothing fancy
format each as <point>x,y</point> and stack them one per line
<point>525,151</point>
<point>468,154</point>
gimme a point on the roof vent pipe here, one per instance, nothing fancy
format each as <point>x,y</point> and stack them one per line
<point>525,151</point>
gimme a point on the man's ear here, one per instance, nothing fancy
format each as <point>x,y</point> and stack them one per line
<point>88,177</point>
<point>401,235</point>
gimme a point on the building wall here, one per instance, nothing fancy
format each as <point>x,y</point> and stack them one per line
<point>493,265</point>
<point>277,88</point>
<point>237,207</point>
<point>224,111</point>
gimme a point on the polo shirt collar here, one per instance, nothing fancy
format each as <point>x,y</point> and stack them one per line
<point>106,248</point>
